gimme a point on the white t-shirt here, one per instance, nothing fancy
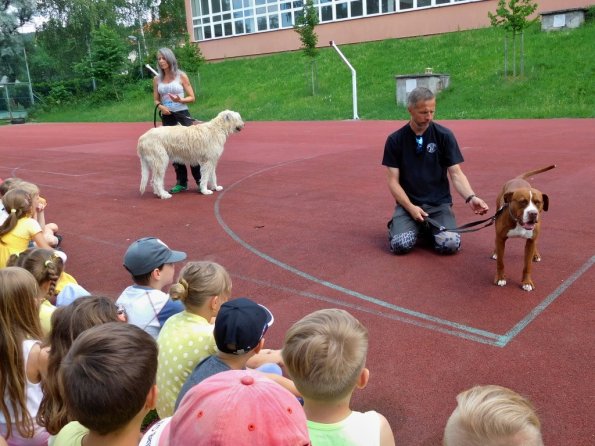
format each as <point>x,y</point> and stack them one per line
<point>153,434</point>
<point>148,308</point>
<point>3,213</point>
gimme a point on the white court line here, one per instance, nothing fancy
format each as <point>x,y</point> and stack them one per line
<point>406,315</point>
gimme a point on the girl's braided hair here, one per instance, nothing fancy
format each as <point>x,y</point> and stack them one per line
<point>44,264</point>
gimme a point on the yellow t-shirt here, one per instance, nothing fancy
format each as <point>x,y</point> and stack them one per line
<point>45,316</point>
<point>184,340</point>
<point>17,240</point>
<point>63,280</point>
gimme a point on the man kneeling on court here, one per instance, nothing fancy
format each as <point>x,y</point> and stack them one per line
<point>420,157</point>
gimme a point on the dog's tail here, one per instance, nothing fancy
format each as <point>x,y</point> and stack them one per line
<point>529,174</point>
<point>144,175</point>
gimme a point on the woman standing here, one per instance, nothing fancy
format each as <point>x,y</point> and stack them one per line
<point>172,91</point>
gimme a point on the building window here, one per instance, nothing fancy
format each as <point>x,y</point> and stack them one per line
<point>357,8</point>
<point>372,7</point>
<point>213,19</point>
<point>405,4</point>
<point>388,6</point>
<point>326,13</point>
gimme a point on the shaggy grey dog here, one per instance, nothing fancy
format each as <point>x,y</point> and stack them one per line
<point>198,144</point>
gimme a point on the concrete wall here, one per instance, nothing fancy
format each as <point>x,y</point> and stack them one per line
<point>449,18</point>
<point>556,20</point>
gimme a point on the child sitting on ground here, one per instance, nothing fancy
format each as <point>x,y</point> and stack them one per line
<point>187,337</point>
<point>20,365</point>
<point>233,408</point>
<point>68,322</point>
<point>46,266</point>
<point>239,332</point>
<point>325,355</point>
<point>151,264</point>
<point>39,204</point>
<point>19,228</point>
<point>5,186</point>
<point>108,379</point>
<point>492,416</point>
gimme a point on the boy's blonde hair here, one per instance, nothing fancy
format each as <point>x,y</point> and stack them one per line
<point>199,281</point>
<point>324,353</point>
<point>492,416</point>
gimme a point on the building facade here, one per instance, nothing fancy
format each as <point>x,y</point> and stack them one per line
<point>236,28</point>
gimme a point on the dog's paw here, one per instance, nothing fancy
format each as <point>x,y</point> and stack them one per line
<point>206,191</point>
<point>218,188</point>
<point>165,195</point>
<point>537,258</point>
<point>500,282</point>
<point>528,286</point>
<point>494,256</point>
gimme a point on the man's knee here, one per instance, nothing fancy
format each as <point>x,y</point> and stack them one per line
<point>447,242</point>
<point>402,243</point>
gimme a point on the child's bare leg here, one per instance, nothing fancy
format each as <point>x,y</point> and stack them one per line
<point>49,236</point>
<point>52,226</point>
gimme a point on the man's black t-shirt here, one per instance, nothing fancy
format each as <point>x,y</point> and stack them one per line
<point>423,173</point>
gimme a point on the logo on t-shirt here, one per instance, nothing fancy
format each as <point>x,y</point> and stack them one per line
<point>431,147</point>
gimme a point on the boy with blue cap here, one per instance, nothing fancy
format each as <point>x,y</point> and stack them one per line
<point>151,264</point>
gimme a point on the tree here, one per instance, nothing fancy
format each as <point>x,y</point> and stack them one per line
<point>138,10</point>
<point>512,17</point>
<point>106,60</point>
<point>13,15</point>
<point>66,35</point>
<point>189,56</point>
<point>172,21</point>
<point>305,25</point>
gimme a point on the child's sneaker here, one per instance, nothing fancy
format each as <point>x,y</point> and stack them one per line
<point>178,188</point>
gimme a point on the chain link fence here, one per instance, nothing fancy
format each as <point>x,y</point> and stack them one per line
<point>15,99</point>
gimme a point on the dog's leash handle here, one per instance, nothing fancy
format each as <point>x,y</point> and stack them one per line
<point>466,227</point>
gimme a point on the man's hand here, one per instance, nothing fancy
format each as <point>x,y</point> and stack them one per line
<point>417,213</point>
<point>478,205</point>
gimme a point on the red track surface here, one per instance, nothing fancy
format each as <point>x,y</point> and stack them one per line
<point>301,226</point>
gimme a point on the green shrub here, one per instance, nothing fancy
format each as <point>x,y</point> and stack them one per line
<point>59,95</point>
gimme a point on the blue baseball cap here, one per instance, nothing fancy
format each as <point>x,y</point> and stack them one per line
<point>240,325</point>
<point>148,253</point>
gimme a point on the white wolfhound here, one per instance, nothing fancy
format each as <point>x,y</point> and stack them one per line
<point>198,144</point>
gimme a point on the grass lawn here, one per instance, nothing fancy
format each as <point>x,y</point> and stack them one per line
<point>558,81</point>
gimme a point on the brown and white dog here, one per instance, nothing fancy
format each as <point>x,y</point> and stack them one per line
<point>520,217</point>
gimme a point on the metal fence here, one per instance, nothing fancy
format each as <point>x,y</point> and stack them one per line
<point>15,99</point>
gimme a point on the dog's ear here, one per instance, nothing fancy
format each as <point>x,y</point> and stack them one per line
<point>507,197</point>
<point>546,202</point>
